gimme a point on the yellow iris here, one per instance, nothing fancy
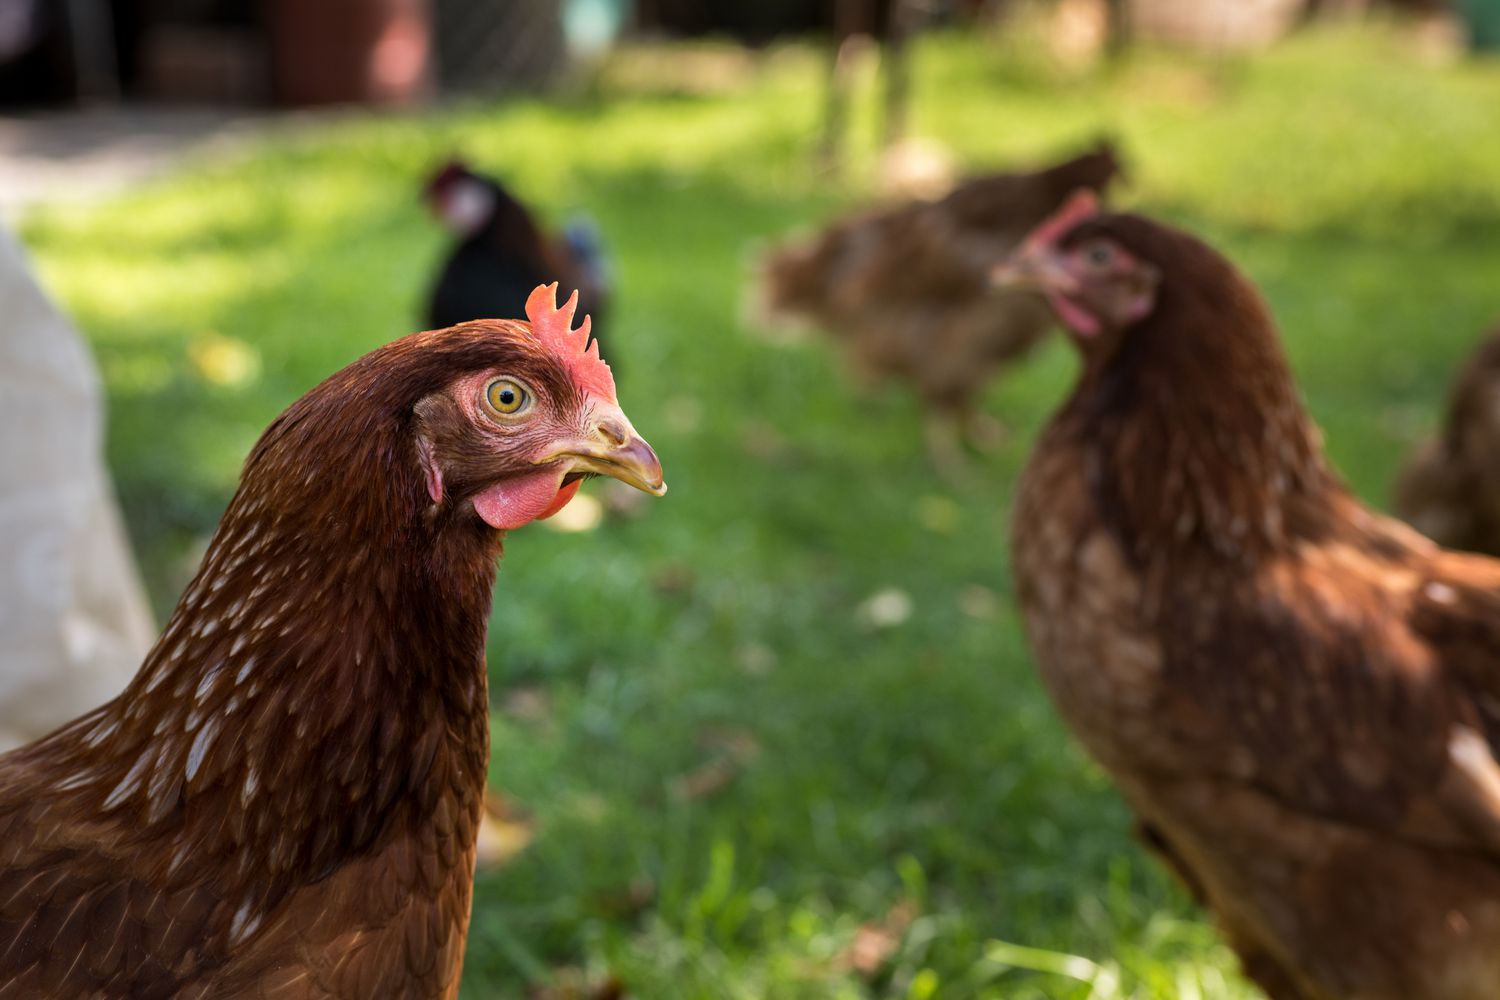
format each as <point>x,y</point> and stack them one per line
<point>505,396</point>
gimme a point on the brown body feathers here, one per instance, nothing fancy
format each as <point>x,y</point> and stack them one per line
<point>1450,487</point>
<point>283,803</point>
<point>1299,698</point>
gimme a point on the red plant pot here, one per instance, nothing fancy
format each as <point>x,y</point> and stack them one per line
<point>349,51</point>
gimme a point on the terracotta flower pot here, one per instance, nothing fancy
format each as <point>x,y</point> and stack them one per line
<point>349,51</point>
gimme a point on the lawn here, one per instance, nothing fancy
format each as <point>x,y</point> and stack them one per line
<point>753,775</point>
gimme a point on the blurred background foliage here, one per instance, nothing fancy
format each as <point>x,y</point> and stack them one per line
<point>779,731</point>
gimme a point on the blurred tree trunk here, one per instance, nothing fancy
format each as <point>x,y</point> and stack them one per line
<point>849,22</point>
<point>1117,28</point>
<point>856,23</point>
<point>1343,9</point>
<point>902,25</point>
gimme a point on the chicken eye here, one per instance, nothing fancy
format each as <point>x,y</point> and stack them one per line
<point>1100,255</point>
<point>506,396</point>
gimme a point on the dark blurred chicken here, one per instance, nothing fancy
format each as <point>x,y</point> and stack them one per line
<point>907,291</point>
<point>503,253</point>
<point>1450,487</point>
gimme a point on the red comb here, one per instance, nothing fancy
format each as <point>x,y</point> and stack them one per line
<point>553,328</point>
<point>1081,204</point>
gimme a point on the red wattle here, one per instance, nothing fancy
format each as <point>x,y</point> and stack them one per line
<point>1075,317</point>
<point>563,496</point>
<point>511,503</point>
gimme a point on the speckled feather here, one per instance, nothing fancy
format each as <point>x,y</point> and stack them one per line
<point>1300,698</point>
<point>284,802</point>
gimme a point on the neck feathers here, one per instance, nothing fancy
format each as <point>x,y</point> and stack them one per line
<point>322,679</point>
<point>1197,433</point>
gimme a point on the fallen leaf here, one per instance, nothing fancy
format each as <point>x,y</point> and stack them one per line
<point>939,514</point>
<point>223,361</point>
<point>574,984</point>
<point>884,609</point>
<point>673,579</point>
<point>628,902</point>
<point>733,741</point>
<point>528,704</point>
<point>504,832</point>
<point>979,602</point>
<point>756,659</point>
<point>876,941</point>
<point>583,513</point>
<point>708,778</point>
<point>732,751</point>
<point>588,807</point>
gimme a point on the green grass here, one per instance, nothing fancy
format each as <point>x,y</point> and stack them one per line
<point>917,765</point>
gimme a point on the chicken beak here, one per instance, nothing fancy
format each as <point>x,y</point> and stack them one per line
<point>612,448</point>
<point>1035,266</point>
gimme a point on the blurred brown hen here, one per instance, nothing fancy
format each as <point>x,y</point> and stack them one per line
<point>1300,698</point>
<point>283,803</point>
<point>1450,487</point>
<point>906,289</point>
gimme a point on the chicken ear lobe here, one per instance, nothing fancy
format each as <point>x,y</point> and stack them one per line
<point>1139,296</point>
<point>432,475</point>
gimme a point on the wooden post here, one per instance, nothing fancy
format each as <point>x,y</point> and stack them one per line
<point>851,19</point>
<point>1117,28</point>
<point>901,23</point>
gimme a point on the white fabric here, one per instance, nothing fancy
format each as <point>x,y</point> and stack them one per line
<point>74,624</point>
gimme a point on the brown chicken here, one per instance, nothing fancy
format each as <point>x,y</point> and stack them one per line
<point>283,803</point>
<point>1450,487</point>
<point>1299,698</point>
<point>907,289</point>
